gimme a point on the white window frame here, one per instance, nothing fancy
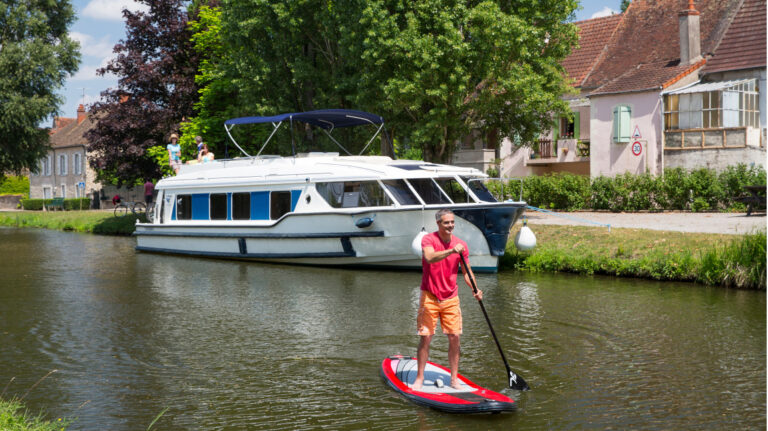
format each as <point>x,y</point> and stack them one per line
<point>77,163</point>
<point>63,164</point>
<point>47,192</point>
<point>48,161</point>
<point>64,191</point>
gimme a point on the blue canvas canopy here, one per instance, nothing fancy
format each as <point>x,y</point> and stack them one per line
<point>325,119</point>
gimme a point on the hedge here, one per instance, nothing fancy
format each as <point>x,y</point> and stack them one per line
<point>69,204</point>
<point>697,190</point>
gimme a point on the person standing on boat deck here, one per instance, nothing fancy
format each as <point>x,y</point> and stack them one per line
<point>439,293</point>
<point>174,153</point>
<point>149,190</point>
<point>199,142</point>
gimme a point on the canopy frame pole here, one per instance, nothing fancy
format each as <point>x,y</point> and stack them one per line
<point>233,139</point>
<point>372,138</point>
<point>293,144</point>
<point>276,126</point>
<point>335,141</point>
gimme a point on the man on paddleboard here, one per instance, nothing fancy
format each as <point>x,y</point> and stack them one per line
<point>439,293</point>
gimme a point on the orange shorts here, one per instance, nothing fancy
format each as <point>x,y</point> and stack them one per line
<point>430,309</point>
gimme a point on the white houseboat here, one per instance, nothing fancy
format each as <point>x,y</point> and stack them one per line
<point>323,208</point>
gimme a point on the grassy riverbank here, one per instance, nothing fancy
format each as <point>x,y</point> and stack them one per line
<point>712,259</point>
<point>99,222</point>
<point>15,417</point>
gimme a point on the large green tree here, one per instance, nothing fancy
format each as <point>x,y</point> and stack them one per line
<point>36,56</point>
<point>447,67</point>
<point>434,69</point>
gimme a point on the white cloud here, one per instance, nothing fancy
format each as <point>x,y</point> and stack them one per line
<point>606,11</point>
<point>89,46</point>
<point>87,72</point>
<point>111,10</point>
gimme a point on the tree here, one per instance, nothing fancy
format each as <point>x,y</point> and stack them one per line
<point>36,55</point>
<point>446,68</point>
<point>155,66</point>
<point>433,69</point>
<point>625,5</point>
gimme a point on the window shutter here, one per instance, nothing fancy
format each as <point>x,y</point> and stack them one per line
<point>622,116</point>
<point>576,125</point>
<point>616,120</point>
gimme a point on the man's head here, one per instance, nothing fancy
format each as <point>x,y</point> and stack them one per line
<point>445,222</point>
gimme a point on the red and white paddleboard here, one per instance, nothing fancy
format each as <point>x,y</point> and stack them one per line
<point>400,372</point>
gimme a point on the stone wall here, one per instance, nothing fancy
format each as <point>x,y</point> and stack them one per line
<point>714,158</point>
<point>10,202</point>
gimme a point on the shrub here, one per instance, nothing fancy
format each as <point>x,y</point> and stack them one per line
<point>563,191</point>
<point>14,185</point>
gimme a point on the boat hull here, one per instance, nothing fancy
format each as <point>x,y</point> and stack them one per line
<point>335,239</point>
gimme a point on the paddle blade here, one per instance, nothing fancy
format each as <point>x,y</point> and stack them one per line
<point>516,382</point>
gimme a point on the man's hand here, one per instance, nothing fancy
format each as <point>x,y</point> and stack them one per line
<point>458,249</point>
<point>478,295</point>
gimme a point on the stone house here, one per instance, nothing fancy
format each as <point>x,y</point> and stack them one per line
<point>642,78</point>
<point>65,171</point>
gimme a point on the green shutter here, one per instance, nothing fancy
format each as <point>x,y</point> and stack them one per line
<point>556,130</point>
<point>622,119</point>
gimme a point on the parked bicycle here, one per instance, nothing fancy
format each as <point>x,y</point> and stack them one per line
<point>122,208</point>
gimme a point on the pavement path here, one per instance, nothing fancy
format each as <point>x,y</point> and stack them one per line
<point>726,223</point>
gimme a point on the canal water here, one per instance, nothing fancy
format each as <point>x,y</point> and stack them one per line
<point>233,345</point>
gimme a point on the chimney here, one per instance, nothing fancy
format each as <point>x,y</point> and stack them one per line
<point>690,36</point>
<point>80,114</point>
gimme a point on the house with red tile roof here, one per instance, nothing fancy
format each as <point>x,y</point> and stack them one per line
<point>667,83</point>
<point>721,119</point>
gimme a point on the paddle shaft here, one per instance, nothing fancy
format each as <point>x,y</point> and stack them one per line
<point>516,382</point>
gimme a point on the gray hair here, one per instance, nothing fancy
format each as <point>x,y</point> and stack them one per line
<point>198,139</point>
<point>439,214</point>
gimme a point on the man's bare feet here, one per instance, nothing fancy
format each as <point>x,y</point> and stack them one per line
<point>456,385</point>
<point>417,384</point>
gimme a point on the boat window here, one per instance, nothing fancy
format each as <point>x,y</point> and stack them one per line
<point>218,206</point>
<point>454,190</point>
<point>280,203</point>
<point>479,189</point>
<point>429,191</point>
<point>353,194</point>
<point>241,206</point>
<point>183,207</point>
<point>401,192</point>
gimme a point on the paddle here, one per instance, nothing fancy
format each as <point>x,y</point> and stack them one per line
<point>515,381</point>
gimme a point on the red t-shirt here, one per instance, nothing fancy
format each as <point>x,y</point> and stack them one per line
<point>439,278</point>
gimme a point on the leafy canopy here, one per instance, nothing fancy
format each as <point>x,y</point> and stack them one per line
<point>434,69</point>
<point>155,66</point>
<point>36,55</point>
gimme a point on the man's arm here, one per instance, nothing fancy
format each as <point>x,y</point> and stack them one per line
<point>432,256</point>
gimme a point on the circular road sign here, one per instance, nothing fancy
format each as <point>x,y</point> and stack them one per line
<point>637,148</point>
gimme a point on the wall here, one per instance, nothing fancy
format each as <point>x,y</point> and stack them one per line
<point>714,158</point>
<point>608,158</point>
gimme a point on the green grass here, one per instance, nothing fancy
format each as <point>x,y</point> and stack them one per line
<point>100,222</point>
<point>15,417</point>
<point>711,259</point>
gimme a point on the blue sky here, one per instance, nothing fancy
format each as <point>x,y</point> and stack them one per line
<point>100,26</point>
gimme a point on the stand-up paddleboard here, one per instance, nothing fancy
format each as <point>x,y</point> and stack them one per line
<point>400,373</point>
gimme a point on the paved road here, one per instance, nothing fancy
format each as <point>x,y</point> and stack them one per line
<point>727,223</point>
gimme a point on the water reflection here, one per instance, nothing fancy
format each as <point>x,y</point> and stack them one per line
<point>240,345</point>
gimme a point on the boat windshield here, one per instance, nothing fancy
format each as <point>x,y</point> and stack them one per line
<point>429,191</point>
<point>479,189</point>
<point>353,194</point>
<point>454,190</point>
<point>399,189</point>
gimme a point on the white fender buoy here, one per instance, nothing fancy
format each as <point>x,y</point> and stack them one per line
<point>525,240</point>
<point>416,243</point>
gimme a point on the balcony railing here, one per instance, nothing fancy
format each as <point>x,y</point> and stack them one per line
<point>545,148</point>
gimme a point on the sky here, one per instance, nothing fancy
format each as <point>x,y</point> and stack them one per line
<point>99,26</point>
